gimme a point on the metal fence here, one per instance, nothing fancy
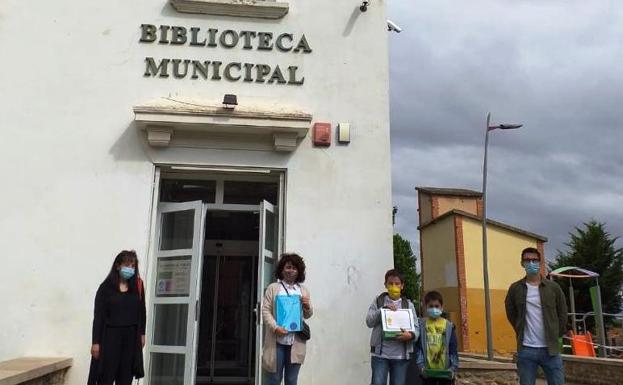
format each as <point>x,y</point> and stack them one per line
<point>614,345</point>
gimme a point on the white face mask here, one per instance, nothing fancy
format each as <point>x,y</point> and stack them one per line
<point>434,312</point>
<point>126,272</point>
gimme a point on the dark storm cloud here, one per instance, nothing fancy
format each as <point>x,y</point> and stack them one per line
<point>553,66</point>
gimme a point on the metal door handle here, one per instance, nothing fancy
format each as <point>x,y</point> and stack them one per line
<point>256,311</point>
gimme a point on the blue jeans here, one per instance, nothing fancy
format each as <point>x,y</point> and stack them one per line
<point>528,359</point>
<point>285,366</point>
<point>381,367</point>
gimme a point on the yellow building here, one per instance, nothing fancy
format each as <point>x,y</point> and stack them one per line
<point>451,257</point>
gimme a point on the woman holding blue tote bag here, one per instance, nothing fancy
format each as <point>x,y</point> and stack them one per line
<point>283,350</point>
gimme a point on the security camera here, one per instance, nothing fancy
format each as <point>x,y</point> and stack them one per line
<point>364,5</point>
<point>391,26</point>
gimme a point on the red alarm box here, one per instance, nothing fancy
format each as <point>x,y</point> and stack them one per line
<point>322,134</point>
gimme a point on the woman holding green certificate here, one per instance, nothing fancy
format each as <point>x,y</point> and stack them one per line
<point>286,303</point>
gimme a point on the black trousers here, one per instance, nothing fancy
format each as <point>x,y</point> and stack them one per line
<point>119,348</point>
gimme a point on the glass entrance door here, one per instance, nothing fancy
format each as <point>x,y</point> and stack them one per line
<point>179,235</point>
<point>266,269</point>
<point>226,345</point>
<point>227,333</point>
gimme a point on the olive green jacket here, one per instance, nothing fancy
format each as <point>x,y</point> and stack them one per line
<point>554,308</point>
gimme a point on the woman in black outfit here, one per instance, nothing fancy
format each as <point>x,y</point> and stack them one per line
<point>119,325</point>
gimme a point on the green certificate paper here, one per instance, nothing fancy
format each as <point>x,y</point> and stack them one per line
<point>438,373</point>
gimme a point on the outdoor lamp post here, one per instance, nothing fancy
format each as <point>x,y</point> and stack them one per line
<point>485,267</point>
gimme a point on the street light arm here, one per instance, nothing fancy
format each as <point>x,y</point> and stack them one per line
<point>485,262</point>
<point>510,126</point>
<point>505,127</point>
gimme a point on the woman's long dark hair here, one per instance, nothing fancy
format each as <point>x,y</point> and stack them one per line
<point>124,256</point>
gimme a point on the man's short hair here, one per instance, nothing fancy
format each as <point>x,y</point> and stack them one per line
<point>394,273</point>
<point>433,296</point>
<point>530,250</point>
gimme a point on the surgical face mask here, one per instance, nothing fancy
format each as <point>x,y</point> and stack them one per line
<point>434,312</point>
<point>393,291</point>
<point>290,275</point>
<point>126,272</point>
<point>532,267</point>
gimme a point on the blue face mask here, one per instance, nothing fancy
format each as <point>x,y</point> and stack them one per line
<point>434,312</point>
<point>126,272</point>
<point>532,268</point>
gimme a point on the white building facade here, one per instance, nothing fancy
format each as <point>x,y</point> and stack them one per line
<point>116,136</point>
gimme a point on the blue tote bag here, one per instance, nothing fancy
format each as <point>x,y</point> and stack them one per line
<point>288,312</point>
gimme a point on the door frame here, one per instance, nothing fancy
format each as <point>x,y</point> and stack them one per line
<point>278,175</point>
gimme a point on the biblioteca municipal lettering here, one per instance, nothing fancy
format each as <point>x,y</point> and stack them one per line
<point>228,39</point>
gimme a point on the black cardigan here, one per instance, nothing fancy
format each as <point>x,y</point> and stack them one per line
<point>113,308</point>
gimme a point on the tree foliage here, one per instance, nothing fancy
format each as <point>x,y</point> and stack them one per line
<point>405,261</point>
<point>592,247</point>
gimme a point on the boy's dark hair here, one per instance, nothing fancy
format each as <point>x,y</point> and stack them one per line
<point>433,296</point>
<point>394,273</point>
<point>530,250</point>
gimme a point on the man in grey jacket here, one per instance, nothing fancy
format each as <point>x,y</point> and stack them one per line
<point>390,356</point>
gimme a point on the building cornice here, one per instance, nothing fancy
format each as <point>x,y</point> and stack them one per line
<point>261,9</point>
<point>165,118</point>
<point>489,221</point>
<point>459,192</point>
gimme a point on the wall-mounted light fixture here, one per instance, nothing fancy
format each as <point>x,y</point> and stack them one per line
<point>230,101</point>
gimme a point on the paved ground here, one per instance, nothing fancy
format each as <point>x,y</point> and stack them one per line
<point>543,382</point>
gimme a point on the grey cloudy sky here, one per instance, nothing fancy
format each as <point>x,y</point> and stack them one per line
<point>555,66</point>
